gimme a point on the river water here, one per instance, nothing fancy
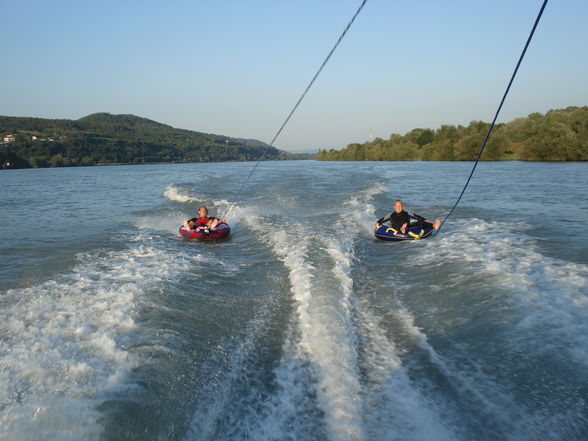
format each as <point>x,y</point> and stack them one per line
<point>301,326</point>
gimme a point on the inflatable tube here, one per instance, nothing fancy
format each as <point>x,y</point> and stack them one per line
<point>222,231</point>
<point>385,232</point>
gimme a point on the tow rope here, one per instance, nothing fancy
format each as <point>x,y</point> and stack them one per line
<point>296,105</point>
<point>496,115</point>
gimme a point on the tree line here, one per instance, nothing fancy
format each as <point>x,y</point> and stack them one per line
<point>103,138</point>
<point>559,135</point>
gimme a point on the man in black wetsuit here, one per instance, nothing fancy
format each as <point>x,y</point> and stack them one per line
<point>399,219</point>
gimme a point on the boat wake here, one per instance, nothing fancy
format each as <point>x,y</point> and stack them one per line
<point>64,341</point>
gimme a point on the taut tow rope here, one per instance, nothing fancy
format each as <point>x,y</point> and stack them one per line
<point>497,112</point>
<point>297,104</point>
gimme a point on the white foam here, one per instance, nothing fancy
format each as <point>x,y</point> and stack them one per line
<point>290,413</point>
<point>221,203</point>
<point>321,341</point>
<point>491,397</point>
<point>217,395</point>
<point>53,419</point>
<point>321,337</point>
<point>243,214</point>
<point>550,294</point>
<point>392,406</point>
<point>168,222</point>
<point>395,409</point>
<point>176,194</point>
<point>362,211</point>
<point>61,347</point>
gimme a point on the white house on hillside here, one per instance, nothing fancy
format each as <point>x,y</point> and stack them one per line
<point>8,139</point>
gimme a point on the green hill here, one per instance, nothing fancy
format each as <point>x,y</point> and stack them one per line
<point>559,135</point>
<point>102,138</point>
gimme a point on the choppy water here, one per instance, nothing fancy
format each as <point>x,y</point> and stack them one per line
<point>301,326</point>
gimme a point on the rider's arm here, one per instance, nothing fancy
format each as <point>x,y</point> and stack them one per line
<point>382,220</point>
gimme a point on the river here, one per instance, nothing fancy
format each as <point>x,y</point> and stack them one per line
<point>300,326</point>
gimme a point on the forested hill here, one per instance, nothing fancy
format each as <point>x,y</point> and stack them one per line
<point>103,138</point>
<point>559,135</point>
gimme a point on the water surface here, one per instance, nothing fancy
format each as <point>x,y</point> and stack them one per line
<point>301,326</point>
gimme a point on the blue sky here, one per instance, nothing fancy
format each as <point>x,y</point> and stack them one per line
<point>236,68</point>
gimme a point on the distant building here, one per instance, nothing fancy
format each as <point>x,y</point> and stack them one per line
<point>8,139</point>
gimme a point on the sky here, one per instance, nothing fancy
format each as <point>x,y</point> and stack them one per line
<point>236,68</point>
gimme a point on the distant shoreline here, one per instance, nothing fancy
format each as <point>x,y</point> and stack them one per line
<point>557,136</point>
<point>102,138</point>
<point>114,164</point>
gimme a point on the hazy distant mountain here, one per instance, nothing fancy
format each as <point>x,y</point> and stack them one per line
<point>102,138</point>
<point>251,142</point>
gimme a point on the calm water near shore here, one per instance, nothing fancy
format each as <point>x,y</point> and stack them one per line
<point>301,326</point>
